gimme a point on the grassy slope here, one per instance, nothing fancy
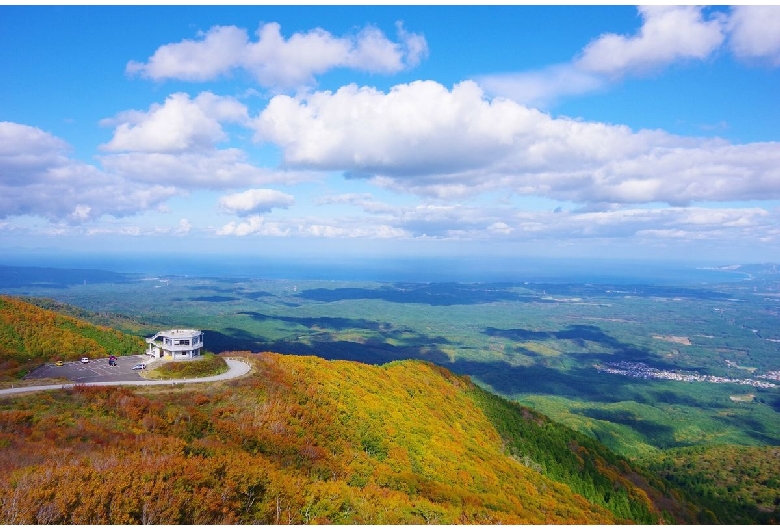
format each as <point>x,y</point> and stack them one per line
<point>205,366</point>
<point>30,335</point>
<point>301,440</point>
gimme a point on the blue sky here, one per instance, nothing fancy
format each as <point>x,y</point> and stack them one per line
<point>565,131</point>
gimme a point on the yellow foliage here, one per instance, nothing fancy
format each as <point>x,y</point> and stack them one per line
<point>303,440</point>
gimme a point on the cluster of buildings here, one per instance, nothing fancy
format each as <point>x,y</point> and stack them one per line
<point>641,370</point>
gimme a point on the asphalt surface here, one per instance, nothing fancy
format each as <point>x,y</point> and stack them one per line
<point>96,370</point>
<point>101,374</point>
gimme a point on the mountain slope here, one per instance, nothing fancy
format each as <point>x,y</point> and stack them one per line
<point>735,484</point>
<point>581,462</point>
<point>30,335</point>
<point>124,323</point>
<point>300,440</point>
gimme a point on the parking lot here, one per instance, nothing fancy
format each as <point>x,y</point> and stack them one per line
<point>96,370</point>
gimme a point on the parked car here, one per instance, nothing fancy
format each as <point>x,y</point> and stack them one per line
<point>139,366</point>
<point>59,363</point>
<point>85,360</point>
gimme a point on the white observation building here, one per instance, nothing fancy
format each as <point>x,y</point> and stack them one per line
<point>176,344</point>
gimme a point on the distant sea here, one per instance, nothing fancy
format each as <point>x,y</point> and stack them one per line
<point>449,269</point>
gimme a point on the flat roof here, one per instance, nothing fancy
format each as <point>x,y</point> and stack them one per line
<point>179,332</point>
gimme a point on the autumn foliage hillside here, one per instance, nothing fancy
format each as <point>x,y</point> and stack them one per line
<point>299,440</point>
<point>30,335</point>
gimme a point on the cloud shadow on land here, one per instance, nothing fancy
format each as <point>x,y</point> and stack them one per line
<point>370,352</point>
<point>327,323</point>
<point>678,398</point>
<point>579,333</point>
<point>585,384</point>
<point>434,294</point>
<point>754,429</point>
<point>236,292</point>
<point>656,434</point>
<point>233,339</point>
<point>575,332</point>
<point>214,299</point>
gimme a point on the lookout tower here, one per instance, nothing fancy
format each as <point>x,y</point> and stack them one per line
<point>175,344</point>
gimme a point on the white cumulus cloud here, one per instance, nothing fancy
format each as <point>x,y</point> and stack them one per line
<point>255,201</point>
<point>425,139</point>
<point>37,177</point>
<point>180,124</point>
<point>254,224</point>
<point>417,128</point>
<point>278,62</point>
<point>184,227</point>
<point>668,34</point>
<point>755,32</point>
<point>174,143</point>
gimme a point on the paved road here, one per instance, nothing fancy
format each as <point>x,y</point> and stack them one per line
<point>236,369</point>
<point>96,370</point>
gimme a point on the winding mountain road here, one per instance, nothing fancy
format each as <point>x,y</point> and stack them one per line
<point>236,368</point>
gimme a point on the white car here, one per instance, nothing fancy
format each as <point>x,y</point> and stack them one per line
<point>85,360</point>
<point>139,366</point>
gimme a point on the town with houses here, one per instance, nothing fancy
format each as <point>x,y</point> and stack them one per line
<point>643,371</point>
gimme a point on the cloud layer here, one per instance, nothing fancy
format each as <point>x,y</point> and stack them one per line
<point>507,224</point>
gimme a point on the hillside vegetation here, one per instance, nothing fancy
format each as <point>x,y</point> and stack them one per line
<point>203,366</point>
<point>30,335</point>
<point>304,440</point>
<point>128,324</point>
<point>736,485</point>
